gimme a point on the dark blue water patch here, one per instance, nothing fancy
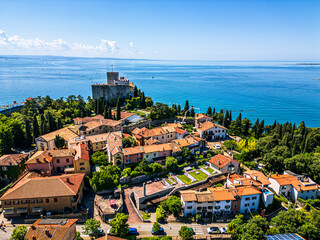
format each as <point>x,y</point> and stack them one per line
<point>267,90</point>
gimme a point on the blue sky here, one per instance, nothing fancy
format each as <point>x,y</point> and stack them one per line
<point>166,29</point>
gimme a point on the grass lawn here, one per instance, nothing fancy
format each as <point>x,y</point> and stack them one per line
<point>173,180</point>
<point>185,179</point>
<point>200,176</point>
<point>202,166</point>
<point>169,181</point>
<point>210,170</point>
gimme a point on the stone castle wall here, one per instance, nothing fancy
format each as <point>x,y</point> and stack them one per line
<point>110,91</point>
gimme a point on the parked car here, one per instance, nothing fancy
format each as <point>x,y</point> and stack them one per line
<point>132,231</point>
<point>110,233</point>
<point>99,234</point>
<point>211,230</point>
<point>217,146</point>
<point>160,232</point>
<point>223,230</point>
<point>192,230</point>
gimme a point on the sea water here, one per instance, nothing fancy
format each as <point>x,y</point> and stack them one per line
<point>282,91</point>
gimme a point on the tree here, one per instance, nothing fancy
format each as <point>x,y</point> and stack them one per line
<point>106,112</point>
<point>35,127</point>
<point>179,109</point>
<point>59,123</point>
<point>118,110</point>
<point>173,204</point>
<point>186,233</point>
<point>156,227</point>
<point>79,236</point>
<point>186,153</point>
<point>107,178</point>
<point>255,228</point>
<point>156,167</point>
<point>119,225</point>
<point>6,140</point>
<point>28,134</point>
<point>59,141</point>
<point>209,112</point>
<point>128,142</point>
<point>135,91</point>
<point>19,233</point>
<point>99,158</point>
<point>160,214</point>
<point>186,107</point>
<point>91,227</point>
<point>143,101</point>
<point>171,163</point>
<point>192,113</point>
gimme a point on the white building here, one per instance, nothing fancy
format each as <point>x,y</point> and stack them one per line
<point>211,131</point>
<point>194,202</point>
<point>294,187</point>
<point>250,198</point>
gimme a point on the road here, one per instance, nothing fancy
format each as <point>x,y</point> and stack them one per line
<point>144,229</point>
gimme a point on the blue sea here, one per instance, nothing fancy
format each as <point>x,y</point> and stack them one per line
<point>282,91</point>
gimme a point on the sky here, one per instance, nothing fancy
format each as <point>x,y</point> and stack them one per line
<point>265,30</point>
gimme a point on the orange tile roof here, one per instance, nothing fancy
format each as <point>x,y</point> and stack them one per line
<point>254,174</point>
<point>283,179</point>
<point>181,142</point>
<point>189,196</point>
<point>40,230</point>
<point>82,151</point>
<point>180,131</point>
<point>207,125</point>
<point>123,115</point>
<point>221,160</point>
<point>151,141</point>
<point>132,150</point>
<point>245,191</point>
<point>287,179</point>
<point>66,133</point>
<point>221,194</point>
<point>205,196</point>
<point>157,148</point>
<point>12,159</point>
<point>175,147</point>
<point>201,115</point>
<point>34,186</point>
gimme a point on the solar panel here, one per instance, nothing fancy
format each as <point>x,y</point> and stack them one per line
<point>53,222</point>
<point>285,236</point>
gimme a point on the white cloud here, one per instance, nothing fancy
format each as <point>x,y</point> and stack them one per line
<point>17,44</point>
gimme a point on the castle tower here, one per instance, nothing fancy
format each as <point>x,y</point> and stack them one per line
<point>112,77</point>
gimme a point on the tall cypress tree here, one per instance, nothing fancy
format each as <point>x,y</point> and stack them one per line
<point>192,113</point>
<point>35,127</point>
<point>209,112</point>
<point>106,113</point>
<point>135,91</point>
<point>59,123</point>
<point>118,110</point>
<point>213,111</point>
<point>109,113</point>
<point>28,134</point>
<point>143,101</point>
<point>294,147</point>
<point>179,109</point>
<point>186,108</point>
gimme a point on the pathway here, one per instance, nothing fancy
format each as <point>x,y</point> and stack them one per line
<point>133,216</point>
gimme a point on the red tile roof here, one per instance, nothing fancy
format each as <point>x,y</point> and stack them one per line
<point>12,159</point>
<point>221,160</point>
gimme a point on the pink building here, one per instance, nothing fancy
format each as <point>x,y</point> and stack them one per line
<point>133,154</point>
<point>50,161</point>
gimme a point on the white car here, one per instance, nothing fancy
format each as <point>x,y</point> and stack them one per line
<point>217,146</point>
<point>211,230</point>
<point>223,230</point>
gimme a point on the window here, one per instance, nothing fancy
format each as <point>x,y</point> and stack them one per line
<point>217,207</point>
<point>24,202</point>
<point>189,207</point>
<point>154,154</point>
<point>217,202</point>
<point>210,207</point>
<point>39,200</point>
<point>235,206</point>
<point>4,169</point>
<point>128,160</point>
<point>82,163</point>
<point>82,169</point>
<point>247,199</point>
<point>254,198</point>
<point>67,159</point>
<point>32,201</point>
<point>147,156</point>
<point>253,204</point>
<point>246,205</point>
<point>199,208</point>
<point>8,202</point>
<point>307,191</point>
<point>55,199</point>
<point>47,200</point>
<point>227,201</point>
<point>284,187</point>
<point>302,191</point>
<point>58,160</point>
<point>227,206</point>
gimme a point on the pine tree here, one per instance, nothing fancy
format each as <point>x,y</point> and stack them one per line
<point>179,109</point>
<point>255,127</point>
<point>143,101</point>
<point>59,123</point>
<point>186,108</point>
<point>35,127</point>
<point>209,112</point>
<point>274,124</point>
<point>135,91</point>
<point>294,147</point>
<point>118,110</point>
<point>28,133</point>
<point>192,113</point>
<point>109,113</point>
<point>306,145</point>
<point>213,111</point>
<point>43,129</point>
<point>302,128</point>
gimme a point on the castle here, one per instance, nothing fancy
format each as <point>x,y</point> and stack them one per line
<point>116,87</point>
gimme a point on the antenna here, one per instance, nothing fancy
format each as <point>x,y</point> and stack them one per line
<point>112,67</point>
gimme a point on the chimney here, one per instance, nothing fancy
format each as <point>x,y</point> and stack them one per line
<point>47,232</point>
<point>241,183</point>
<point>219,162</point>
<point>144,189</point>
<point>54,148</point>
<point>251,183</point>
<point>34,237</point>
<point>299,187</point>
<point>255,178</point>
<point>277,173</point>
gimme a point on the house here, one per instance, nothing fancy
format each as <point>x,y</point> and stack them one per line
<point>224,163</point>
<point>52,229</point>
<point>96,125</point>
<point>11,166</point>
<point>127,117</point>
<point>114,148</point>
<point>81,161</point>
<point>223,199</point>
<point>33,194</point>
<point>252,178</point>
<point>164,134</point>
<point>294,187</point>
<point>46,142</point>
<point>157,153</point>
<point>133,154</point>
<point>194,202</point>
<point>211,131</point>
<point>50,161</point>
<point>249,198</point>
<point>201,118</point>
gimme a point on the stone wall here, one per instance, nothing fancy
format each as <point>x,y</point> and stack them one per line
<point>110,91</point>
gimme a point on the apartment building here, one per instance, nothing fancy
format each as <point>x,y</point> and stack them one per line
<point>211,131</point>
<point>224,163</point>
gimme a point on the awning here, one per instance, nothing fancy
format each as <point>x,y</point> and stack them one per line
<point>22,210</point>
<point>37,209</point>
<point>8,210</point>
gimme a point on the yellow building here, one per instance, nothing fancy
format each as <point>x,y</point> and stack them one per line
<point>81,159</point>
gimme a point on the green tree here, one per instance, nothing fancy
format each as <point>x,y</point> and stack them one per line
<point>99,158</point>
<point>79,236</point>
<point>35,127</point>
<point>118,110</point>
<point>186,153</point>
<point>91,227</point>
<point>59,142</point>
<point>156,227</point>
<point>28,134</point>
<point>192,113</point>
<point>186,108</point>
<point>160,214</point>
<point>119,225</point>
<point>106,178</point>
<point>128,142</point>
<point>171,163</point>
<point>186,233</point>
<point>155,167</point>
<point>255,228</point>
<point>19,233</point>
<point>6,139</point>
<point>173,204</point>
<point>209,112</point>
<point>106,112</point>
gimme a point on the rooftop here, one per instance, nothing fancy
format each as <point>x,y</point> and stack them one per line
<point>12,159</point>
<point>66,133</point>
<point>221,160</point>
<point>48,155</point>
